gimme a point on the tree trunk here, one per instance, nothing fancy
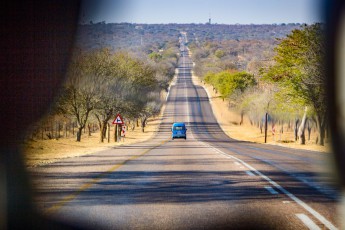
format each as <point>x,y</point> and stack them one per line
<point>321,129</point>
<point>80,130</point>
<point>241,121</point>
<point>66,129</point>
<point>301,129</point>
<point>143,124</point>
<point>57,130</point>
<point>296,129</point>
<point>103,123</point>
<point>309,129</point>
<point>322,136</point>
<point>89,129</point>
<point>102,131</point>
<point>115,133</point>
<point>119,129</point>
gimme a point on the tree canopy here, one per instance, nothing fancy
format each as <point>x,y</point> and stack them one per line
<point>283,84</point>
<point>298,70</point>
<point>227,82</point>
<point>102,83</point>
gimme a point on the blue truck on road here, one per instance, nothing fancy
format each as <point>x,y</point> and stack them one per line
<point>179,130</point>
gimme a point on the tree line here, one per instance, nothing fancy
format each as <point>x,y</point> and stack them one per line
<point>102,83</point>
<point>289,85</point>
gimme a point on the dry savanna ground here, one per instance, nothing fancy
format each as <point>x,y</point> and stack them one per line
<point>39,152</point>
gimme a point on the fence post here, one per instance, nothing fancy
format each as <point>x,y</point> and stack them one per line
<point>266,118</point>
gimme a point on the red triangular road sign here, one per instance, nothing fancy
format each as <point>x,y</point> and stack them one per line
<point>118,120</point>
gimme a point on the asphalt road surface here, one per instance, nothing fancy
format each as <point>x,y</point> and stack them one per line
<point>207,181</point>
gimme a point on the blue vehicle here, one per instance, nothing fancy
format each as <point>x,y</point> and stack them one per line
<point>179,130</point>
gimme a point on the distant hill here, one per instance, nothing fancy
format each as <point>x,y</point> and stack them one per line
<point>134,36</point>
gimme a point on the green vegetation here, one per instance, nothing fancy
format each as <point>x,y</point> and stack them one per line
<point>299,73</point>
<point>227,82</point>
<point>126,68</point>
<point>286,81</point>
<point>102,84</point>
<point>155,56</point>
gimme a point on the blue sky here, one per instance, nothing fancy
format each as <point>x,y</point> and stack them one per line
<point>198,11</point>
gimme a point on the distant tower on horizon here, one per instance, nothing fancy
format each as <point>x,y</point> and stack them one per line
<point>209,18</point>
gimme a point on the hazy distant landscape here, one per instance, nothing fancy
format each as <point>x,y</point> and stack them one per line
<point>125,35</point>
<point>146,37</point>
<point>241,44</point>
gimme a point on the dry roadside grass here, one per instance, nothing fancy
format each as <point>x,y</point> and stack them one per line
<point>229,121</point>
<point>40,152</point>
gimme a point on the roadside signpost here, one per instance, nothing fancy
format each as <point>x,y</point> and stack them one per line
<point>118,121</point>
<point>123,132</point>
<point>266,120</point>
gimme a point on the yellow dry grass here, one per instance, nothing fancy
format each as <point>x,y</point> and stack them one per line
<point>39,152</point>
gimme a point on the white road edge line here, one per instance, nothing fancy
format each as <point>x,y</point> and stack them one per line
<point>317,215</point>
<point>308,222</point>
<point>271,190</point>
<point>173,82</point>
<point>250,173</point>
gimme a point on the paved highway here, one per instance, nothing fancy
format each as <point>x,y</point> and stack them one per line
<point>207,181</point>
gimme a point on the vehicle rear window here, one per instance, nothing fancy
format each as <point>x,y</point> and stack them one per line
<point>179,128</point>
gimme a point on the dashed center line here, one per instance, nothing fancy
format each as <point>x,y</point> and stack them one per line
<point>250,173</point>
<point>66,199</point>
<point>271,190</point>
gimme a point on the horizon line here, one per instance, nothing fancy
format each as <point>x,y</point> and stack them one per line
<point>198,23</point>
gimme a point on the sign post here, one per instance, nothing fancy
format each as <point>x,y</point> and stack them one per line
<point>123,132</point>
<point>117,121</point>
<point>266,120</point>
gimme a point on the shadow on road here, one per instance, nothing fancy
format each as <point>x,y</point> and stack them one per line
<point>148,187</point>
